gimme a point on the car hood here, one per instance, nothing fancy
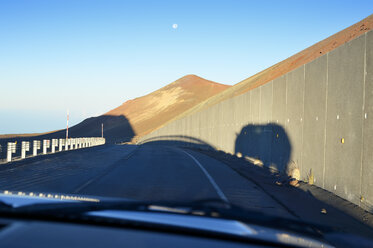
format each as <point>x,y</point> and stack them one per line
<point>169,219</point>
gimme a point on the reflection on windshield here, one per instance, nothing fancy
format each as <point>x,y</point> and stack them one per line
<point>47,196</point>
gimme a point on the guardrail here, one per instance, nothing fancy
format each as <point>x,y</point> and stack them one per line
<point>19,150</point>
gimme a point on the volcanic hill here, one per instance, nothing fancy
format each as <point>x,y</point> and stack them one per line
<point>149,112</point>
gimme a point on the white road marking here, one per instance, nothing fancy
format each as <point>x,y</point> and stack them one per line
<point>212,181</point>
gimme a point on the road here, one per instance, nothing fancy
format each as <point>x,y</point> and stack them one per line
<point>147,172</point>
<point>164,173</point>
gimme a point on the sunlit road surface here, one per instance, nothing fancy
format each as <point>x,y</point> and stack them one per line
<point>155,173</point>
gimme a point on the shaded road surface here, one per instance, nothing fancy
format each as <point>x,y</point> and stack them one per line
<point>156,173</point>
<point>161,173</point>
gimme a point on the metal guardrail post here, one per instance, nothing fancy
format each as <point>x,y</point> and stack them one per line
<point>46,145</point>
<point>61,143</point>
<point>36,147</point>
<point>73,144</point>
<point>11,150</point>
<point>25,148</point>
<point>67,143</point>
<point>54,144</point>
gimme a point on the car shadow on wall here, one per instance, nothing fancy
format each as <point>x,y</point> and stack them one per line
<point>269,144</point>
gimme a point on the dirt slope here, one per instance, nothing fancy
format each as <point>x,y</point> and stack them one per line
<point>149,112</point>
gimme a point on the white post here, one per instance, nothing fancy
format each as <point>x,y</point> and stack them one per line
<point>61,144</point>
<point>25,148</point>
<point>11,150</point>
<point>54,144</point>
<point>67,143</point>
<point>36,147</point>
<point>46,145</point>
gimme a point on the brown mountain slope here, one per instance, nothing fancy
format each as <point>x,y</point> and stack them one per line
<point>149,112</point>
<point>287,65</point>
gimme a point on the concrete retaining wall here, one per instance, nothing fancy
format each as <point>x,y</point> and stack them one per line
<point>318,117</point>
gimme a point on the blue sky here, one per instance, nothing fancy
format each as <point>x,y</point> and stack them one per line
<point>90,56</point>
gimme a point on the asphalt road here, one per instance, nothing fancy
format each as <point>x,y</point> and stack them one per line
<point>162,173</point>
<point>147,172</point>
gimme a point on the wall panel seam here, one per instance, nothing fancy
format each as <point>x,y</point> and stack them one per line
<point>302,119</point>
<point>325,118</point>
<point>362,116</point>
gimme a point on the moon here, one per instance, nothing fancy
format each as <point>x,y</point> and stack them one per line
<point>174,26</point>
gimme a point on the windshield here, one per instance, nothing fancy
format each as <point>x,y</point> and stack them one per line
<point>255,112</point>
